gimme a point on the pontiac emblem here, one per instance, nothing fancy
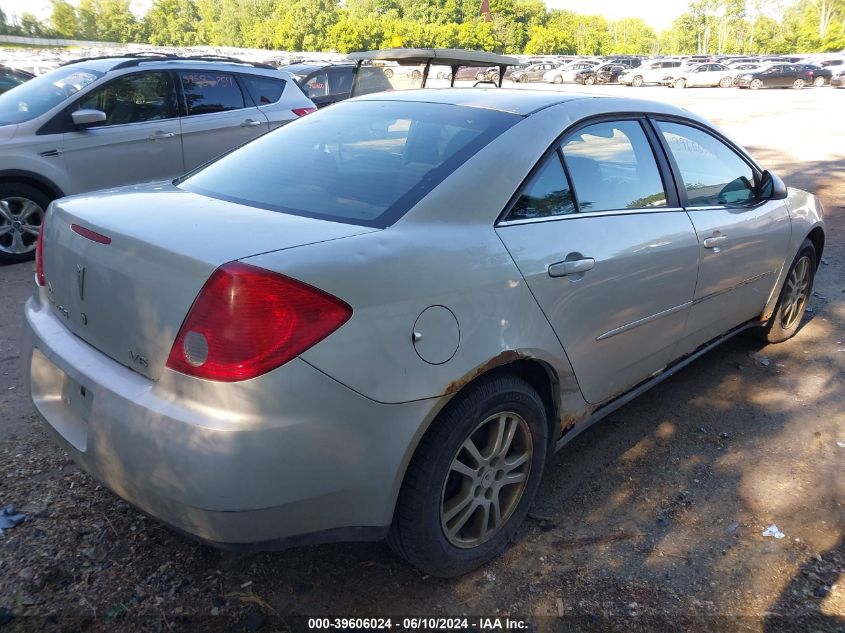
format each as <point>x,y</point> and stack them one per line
<point>80,281</point>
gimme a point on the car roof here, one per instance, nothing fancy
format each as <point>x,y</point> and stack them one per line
<point>106,64</point>
<point>523,102</point>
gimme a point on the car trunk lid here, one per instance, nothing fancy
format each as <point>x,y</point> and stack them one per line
<point>122,271</point>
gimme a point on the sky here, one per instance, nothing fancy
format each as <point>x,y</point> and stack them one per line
<point>657,13</point>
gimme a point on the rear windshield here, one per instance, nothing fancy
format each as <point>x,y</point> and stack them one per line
<point>364,162</point>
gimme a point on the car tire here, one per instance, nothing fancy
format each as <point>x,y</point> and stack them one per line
<point>680,83</point>
<point>590,80</point>
<point>23,211</point>
<point>818,82</point>
<point>557,79</point>
<point>421,532</point>
<point>388,72</point>
<point>798,84</point>
<point>480,76</point>
<point>794,296</point>
<point>495,78</point>
<point>637,81</point>
<point>416,75</point>
<point>755,84</point>
<point>726,82</point>
<point>523,79</point>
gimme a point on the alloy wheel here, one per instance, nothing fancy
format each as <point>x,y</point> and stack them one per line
<point>818,82</point>
<point>798,84</point>
<point>756,84</point>
<point>796,293</point>
<point>486,480</point>
<point>20,223</point>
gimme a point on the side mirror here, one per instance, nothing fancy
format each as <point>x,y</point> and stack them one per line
<point>771,187</point>
<point>86,118</point>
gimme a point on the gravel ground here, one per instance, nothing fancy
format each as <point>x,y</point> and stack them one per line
<point>651,520</point>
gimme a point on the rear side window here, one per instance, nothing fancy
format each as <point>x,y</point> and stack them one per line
<point>365,162</point>
<point>207,92</point>
<point>135,98</point>
<point>612,167</point>
<point>317,86</point>
<point>713,174</point>
<point>264,90</point>
<point>547,193</point>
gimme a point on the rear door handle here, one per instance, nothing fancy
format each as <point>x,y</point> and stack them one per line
<point>715,241</point>
<point>250,123</point>
<point>160,135</point>
<point>571,267</point>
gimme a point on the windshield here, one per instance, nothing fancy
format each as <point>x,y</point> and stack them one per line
<point>359,162</point>
<point>39,95</point>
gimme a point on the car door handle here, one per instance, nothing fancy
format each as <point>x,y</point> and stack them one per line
<point>250,123</point>
<point>571,267</point>
<point>715,241</point>
<point>160,135</point>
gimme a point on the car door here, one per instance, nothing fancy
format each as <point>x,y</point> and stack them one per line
<point>742,240</point>
<point>218,116</point>
<point>607,253</point>
<point>140,140</point>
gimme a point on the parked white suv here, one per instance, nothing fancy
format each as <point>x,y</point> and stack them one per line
<point>651,72</point>
<point>104,122</point>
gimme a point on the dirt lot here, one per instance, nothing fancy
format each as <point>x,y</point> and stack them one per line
<point>651,520</point>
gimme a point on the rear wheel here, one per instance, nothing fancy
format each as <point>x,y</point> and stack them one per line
<point>637,81</point>
<point>523,79</point>
<point>388,72</point>
<point>22,208</point>
<point>590,80</point>
<point>558,79</point>
<point>680,83</point>
<point>796,291</point>
<point>726,82</point>
<point>755,84</point>
<point>472,478</point>
<point>818,82</point>
<point>416,75</point>
<point>798,84</point>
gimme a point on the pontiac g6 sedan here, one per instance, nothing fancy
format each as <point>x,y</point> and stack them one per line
<point>331,334</point>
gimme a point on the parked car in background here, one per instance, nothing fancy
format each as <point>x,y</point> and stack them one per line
<point>105,122</point>
<point>534,72</point>
<point>744,68</point>
<point>775,76</point>
<point>704,75</point>
<point>208,367</point>
<point>472,73</point>
<point>567,72</point>
<point>603,74</point>
<point>652,72</point>
<point>814,74</point>
<point>493,71</point>
<point>838,78</point>
<point>10,78</point>
<point>326,84</point>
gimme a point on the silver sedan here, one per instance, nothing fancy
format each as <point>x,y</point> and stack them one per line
<point>336,333</point>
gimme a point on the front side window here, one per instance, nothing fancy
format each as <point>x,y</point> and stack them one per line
<point>613,168</point>
<point>133,99</point>
<point>547,194</point>
<point>365,162</point>
<point>42,94</point>
<point>208,92</point>
<point>713,173</point>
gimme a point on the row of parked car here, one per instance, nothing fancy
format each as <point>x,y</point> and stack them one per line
<point>753,73</point>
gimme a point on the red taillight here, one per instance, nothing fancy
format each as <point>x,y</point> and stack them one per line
<point>303,111</point>
<point>247,321</point>
<point>39,253</point>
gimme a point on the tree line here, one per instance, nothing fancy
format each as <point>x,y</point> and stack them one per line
<point>511,27</point>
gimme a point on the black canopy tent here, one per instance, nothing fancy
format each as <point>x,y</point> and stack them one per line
<point>452,57</point>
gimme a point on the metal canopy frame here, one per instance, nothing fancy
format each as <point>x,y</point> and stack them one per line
<point>453,57</point>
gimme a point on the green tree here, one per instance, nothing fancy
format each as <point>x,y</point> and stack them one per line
<point>171,23</point>
<point>63,19</point>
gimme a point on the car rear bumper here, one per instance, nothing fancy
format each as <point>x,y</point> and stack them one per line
<point>324,464</point>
